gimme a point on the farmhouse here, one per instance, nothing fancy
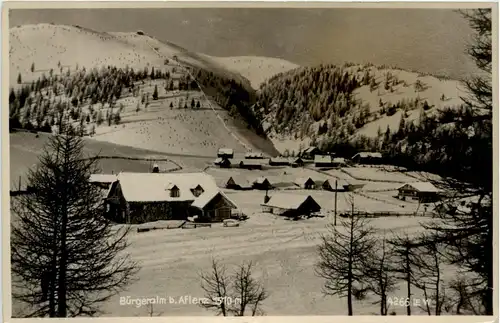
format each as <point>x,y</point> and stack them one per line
<point>367,158</point>
<point>323,161</point>
<point>254,155</point>
<point>225,152</point>
<point>214,206</point>
<point>292,205</point>
<point>238,183</point>
<point>339,162</point>
<point>102,180</point>
<point>296,162</point>
<point>222,162</point>
<point>421,191</point>
<point>305,183</point>
<point>145,197</point>
<point>262,183</point>
<point>310,152</point>
<point>327,185</point>
<point>250,164</point>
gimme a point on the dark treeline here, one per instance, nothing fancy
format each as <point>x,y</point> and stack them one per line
<point>295,100</point>
<point>302,96</point>
<point>231,95</point>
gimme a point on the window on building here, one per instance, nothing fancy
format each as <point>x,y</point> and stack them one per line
<point>174,192</point>
<point>197,191</point>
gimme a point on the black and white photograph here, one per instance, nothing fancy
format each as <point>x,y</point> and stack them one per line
<point>250,160</point>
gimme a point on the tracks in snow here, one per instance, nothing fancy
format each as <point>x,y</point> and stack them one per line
<point>204,95</point>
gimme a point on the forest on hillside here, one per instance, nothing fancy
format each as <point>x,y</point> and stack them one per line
<point>319,102</point>
<point>83,98</point>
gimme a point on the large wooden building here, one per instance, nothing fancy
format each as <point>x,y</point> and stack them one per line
<point>323,161</point>
<point>102,180</point>
<point>310,152</point>
<point>225,153</point>
<point>291,205</point>
<point>421,191</point>
<point>145,197</point>
<point>367,158</point>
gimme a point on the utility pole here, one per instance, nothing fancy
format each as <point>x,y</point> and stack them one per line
<point>335,210</point>
<point>352,207</point>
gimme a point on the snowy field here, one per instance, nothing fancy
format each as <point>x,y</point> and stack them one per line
<point>284,253</point>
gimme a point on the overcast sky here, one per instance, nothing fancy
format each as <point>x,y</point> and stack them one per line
<point>428,40</point>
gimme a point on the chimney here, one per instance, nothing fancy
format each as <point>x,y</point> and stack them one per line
<point>266,198</point>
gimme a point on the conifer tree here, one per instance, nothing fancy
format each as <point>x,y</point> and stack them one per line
<point>66,258</point>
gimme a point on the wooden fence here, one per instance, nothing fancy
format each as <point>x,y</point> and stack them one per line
<point>385,214</point>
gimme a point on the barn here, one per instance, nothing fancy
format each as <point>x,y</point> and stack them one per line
<point>367,158</point>
<point>305,183</point>
<point>225,153</point>
<point>279,161</point>
<point>222,162</point>
<point>421,191</point>
<point>254,155</point>
<point>262,183</point>
<point>144,197</point>
<point>250,164</point>
<point>291,205</point>
<point>296,162</point>
<point>238,183</point>
<point>310,152</point>
<point>323,161</point>
<point>339,162</point>
<point>102,180</point>
<point>214,206</point>
<point>325,184</point>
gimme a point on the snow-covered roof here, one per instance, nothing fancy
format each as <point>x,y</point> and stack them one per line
<point>226,151</point>
<point>310,149</point>
<point>322,159</point>
<point>205,198</point>
<point>366,154</point>
<point>339,160</point>
<point>102,178</point>
<point>422,187</point>
<point>253,154</point>
<point>239,180</point>
<point>260,180</point>
<point>250,162</point>
<point>302,180</point>
<point>287,201</point>
<point>154,187</point>
<point>280,160</point>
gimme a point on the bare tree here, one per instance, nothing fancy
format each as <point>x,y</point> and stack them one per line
<point>66,258</point>
<point>379,273</point>
<point>216,285</point>
<point>428,262</point>
<point>248,292</point>
<point>402,250</point>
<point>343,253</point>
<point>238,293</point>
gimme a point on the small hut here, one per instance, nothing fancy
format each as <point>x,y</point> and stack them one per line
<point>262,183</point>
<point>306,183</point>
<point>291,205</point>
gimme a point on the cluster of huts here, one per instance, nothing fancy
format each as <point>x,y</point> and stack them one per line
<point>312,155</point>
<point>241,182</point>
